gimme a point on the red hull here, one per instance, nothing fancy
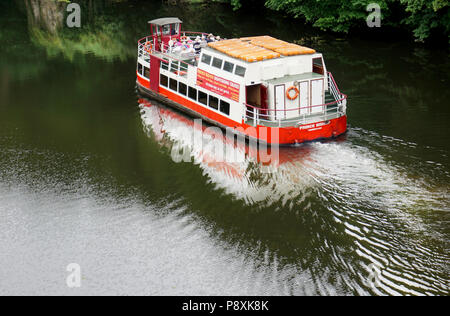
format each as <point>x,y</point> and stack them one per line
<point>270,135</point>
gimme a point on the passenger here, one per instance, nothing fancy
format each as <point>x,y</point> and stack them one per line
<point>171,44</point>
<point>218,38</point>
<point>203,42</point>
<point>210,38</point>
<point>197,46</point>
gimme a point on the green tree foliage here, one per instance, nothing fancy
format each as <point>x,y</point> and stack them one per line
<point>426,16</point>
<point>422,17</point>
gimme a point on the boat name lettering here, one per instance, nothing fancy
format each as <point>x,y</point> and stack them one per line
<point>314,125</point>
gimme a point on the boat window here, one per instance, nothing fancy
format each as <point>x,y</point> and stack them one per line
<point>228,66</point>
<point>182,88</point>
<point>240,71</point>
<point>217,62</point>
<point>164,81</point>
<point>165,65</point>
<point>193,93</point>
<point>156,30</point>
<point>318,66</point>
<point>225,107</point>
<point>174,65</point>
<point>166,29</point>
<point>175,29</point>
<point>206,59</point>
<point>202,98</point>
<point>173,85</point>
<point>213,102</point>
<point>184,66</point>
<point>147,72</point>
<point>139,68</point>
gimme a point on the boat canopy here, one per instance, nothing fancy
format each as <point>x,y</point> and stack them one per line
<point>259,48</point>
<point>165,21</point>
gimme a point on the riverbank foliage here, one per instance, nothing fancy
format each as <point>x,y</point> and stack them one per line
<point>423,18</point>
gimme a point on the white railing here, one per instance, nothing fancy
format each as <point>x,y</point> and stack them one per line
<point>334,90</point>
<point>269,117</point>
<point>145,48</point>
<point>169,61</point>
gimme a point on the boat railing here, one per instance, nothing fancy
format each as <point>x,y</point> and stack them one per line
<point>145,48</point>
<point>334,90</point>
<point>168,61</point>
<point>193,35</point>
<point>283,117</point>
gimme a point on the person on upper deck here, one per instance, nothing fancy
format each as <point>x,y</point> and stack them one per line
<point>203,42</point>
<point>197,45</point>
<point>171,45</point>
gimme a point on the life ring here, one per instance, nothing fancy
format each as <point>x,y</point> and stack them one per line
<point>148,47</point>
<point>295,96</point>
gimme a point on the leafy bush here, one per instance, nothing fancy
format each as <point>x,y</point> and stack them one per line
<point>421,17</point>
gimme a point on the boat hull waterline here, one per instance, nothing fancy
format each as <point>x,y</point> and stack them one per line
<point>272,135</point>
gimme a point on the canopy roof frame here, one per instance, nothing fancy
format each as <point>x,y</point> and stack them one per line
<point>165,21</point>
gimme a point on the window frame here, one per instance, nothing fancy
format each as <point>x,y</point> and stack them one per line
<point>210,103</point>
<point>199,99</point>
<point>190,90</point>
<point>161,76</point>
<point>207,56</point>
<point>146,72</point>
<point>238,74</point>
<point>318,68</point>
<point>171,80</point>
<point>174,66</point>
<point>166,29</point>
<point>217,66</point>
<point>227,105</point>
<point>230,63</point>
<point>181,84</point>
<point>165,65</point>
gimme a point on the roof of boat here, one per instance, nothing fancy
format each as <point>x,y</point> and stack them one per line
<point>258,48</point>
<point>165,21</point>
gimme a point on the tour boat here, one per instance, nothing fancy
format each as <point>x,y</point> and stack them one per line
<point>260,87</point>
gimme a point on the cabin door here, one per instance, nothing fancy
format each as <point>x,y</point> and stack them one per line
<point>304,98</point>
<point>317,95</point>
<point>264,102</point>
<point>280,101</point>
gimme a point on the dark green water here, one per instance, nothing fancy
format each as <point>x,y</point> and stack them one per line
<point>87,175</point>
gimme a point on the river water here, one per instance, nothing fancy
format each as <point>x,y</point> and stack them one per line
<point>88,173</point>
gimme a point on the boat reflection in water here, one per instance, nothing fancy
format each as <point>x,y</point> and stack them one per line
<point>249,171</point>
<point>343,202</point>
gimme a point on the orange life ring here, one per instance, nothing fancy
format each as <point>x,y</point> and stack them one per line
<point>148,47</point>
<point>288,93</point>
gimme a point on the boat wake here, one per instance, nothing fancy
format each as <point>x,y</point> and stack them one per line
<point>393,219</point>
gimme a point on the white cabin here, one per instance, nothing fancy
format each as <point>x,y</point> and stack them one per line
<point>255,80</point>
